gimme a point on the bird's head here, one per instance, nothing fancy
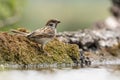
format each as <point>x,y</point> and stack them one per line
<point>52,23</point>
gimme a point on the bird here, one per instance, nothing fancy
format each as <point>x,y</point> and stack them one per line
<point>43,35</point>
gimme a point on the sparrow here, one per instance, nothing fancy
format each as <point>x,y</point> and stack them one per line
<point>44,35</point>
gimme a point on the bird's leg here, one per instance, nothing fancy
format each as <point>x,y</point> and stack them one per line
<point>45,52</point>
<point>39,47</point>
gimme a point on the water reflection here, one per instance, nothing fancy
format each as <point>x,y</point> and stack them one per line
<point>64,74</point>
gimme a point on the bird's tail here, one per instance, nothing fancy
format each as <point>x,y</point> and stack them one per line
<point>19,32</point>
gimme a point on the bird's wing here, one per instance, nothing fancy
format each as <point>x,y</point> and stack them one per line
<point>42,33</point>
<point>19,32</point>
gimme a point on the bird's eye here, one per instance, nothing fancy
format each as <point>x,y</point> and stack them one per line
<point>50,24</point>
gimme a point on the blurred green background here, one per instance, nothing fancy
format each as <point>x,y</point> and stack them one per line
<point>33,14</point>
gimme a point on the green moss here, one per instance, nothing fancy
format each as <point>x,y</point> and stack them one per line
<point>20,50</point>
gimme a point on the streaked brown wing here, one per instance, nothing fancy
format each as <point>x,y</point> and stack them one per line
<point>43,36</point>
<point>42,33</point>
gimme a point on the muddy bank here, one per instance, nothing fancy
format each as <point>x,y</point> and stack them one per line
<point>19,50</point>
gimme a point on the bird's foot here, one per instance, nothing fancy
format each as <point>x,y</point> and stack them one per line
<point>47,54</point>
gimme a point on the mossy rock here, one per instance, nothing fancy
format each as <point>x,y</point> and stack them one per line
<point>114,51</point>
<point>18,49</point>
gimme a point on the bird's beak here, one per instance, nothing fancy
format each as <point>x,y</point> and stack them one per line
<point>58,22</point>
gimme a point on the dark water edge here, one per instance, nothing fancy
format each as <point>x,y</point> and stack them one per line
<point>46,66</point>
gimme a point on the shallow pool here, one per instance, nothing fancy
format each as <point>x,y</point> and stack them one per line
<point>62,74</point>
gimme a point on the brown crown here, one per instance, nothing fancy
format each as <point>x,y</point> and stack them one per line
<point>53,21</point>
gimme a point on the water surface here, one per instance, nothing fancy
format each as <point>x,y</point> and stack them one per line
<point>62,74</point>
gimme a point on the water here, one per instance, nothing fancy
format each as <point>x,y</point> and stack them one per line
<point>63,74</point>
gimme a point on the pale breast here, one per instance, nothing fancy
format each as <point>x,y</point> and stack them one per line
<point>43,40</point>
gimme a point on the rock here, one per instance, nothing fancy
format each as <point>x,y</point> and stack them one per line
<point>92,37</point>
<point>18,49</point>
